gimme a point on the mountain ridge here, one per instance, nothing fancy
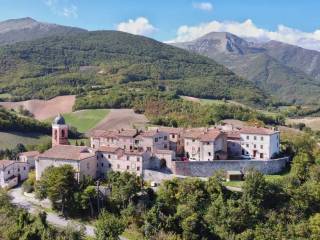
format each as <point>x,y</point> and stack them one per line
<point>28,29</point>
<point>274,66</point>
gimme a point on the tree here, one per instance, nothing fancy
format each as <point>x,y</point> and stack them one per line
<point>109,226</point>
<point>124,187</point>
<point>59,185</point>
<point>88,197</point>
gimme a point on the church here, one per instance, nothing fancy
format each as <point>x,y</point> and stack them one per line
<point>118,150</point>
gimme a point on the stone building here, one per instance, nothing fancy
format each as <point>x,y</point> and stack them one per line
<point>12,173</point>
<point>29,157</point>
<point>202,144</point>
<point>81,158</point>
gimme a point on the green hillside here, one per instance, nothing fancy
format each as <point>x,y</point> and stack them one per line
<point>98,60</point>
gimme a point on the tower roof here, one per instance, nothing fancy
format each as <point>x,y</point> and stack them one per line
<point>59,120</point>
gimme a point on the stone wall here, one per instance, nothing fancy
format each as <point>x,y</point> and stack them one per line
<point>207,168</point>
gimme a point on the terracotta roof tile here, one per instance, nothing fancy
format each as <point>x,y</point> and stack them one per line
<point>210,135</point>
<point>68,152</point>
<point>5,163</point>
<point>257,130</point>
<point>30,154</point>
<point>108,149</point>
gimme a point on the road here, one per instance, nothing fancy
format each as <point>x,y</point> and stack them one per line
<point>33,206</point>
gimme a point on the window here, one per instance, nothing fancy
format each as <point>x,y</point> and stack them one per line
<point>101,164</point>
<point>62,133</point>
<point>247,145</point>
<point>138,159</point>
<point>255,137</point>
<point>209,153</point>
<point>261,138</point>
<point>24,168</point>
<point>242,151</point>
<point>128,158</point>
<point>193,140</point>
<point>165,146</point>
<point>156,140</point>
<point>208,143</point>
<point>110,165</point>
<point>149,149</point>
<point>109,156</point>
<point>128,167</point>
<point>8,172</point>
<point>261,155</point>
<point>254,146</point>
<point>261,146</point>
<point>18,169</point>
<point>165,138</point>
<point>247,137</point>
<point>173,136</point>
<point>138,168</point>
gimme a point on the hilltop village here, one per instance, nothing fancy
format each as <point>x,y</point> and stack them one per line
<point>157,148</point>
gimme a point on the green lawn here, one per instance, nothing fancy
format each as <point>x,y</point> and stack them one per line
<point>5,95</point>
<point>233,184</point>
<point>84,120</point>
<point>11,139</point>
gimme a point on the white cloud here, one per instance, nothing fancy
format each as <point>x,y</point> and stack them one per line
<point>71,11</point>
<point>205,6</point>
<point>139,26</point>
<point>62,8</point>
<point>309,40</point>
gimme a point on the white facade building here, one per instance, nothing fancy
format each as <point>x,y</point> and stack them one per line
<point>259,143</point>
<point>12,172</point>
<point>82,159</point>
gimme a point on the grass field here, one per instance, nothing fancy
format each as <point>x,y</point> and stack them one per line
<point>10,140</point>
<point>85,120</point>
<point>312,122</point>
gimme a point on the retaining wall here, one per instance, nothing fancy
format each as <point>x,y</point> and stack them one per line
<point>207,168</point>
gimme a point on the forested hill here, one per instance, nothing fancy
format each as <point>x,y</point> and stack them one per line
<point>58,65</point>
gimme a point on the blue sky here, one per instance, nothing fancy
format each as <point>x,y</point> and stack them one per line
<point>292,21</point>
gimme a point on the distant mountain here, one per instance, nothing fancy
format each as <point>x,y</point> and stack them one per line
<point>26,29</point>
<point>289,73</point>
<point>78,63</point>
<point>305,60</point>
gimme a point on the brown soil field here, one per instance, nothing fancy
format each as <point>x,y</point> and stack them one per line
<point>122,118</point>
<point>44,109</point>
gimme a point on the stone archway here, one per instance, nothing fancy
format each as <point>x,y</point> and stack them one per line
<point>163,163</point>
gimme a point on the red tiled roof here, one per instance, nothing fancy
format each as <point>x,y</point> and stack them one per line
<point>203,134</point>
<point>30,154</point>
<point>127,133</point>
<point>68,152</point>
<point>149,133</point>
<point>104,134</point>
<point>211,135</point>
<point>108,149</point>
<point>233,134</point>
<point>169,130</point>
<point>5,163</point>
<point>257,130</point>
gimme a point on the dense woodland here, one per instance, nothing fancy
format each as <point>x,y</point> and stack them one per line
<point>75,64</point>
<point>167,108</point>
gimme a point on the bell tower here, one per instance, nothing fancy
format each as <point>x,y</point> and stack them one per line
<point>59,131</point>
